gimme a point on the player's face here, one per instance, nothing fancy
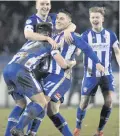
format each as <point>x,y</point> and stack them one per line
<point>96,20</point>
<point>43,7</point>
<point>62,21</point>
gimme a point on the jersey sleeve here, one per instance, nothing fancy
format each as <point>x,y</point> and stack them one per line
<point>30,24</point>
<point>81,44</point>
<point>114,40</point>
<point>84,36</point>
<point>54,52</point>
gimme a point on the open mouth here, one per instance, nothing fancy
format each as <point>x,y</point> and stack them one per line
<point>96,23</point>
<point>45,10</point>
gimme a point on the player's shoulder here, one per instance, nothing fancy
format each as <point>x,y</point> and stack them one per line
<point>52,15</point>
<point>86,32</point>
<point>32,16</point>
<point>109,31</point>
<point>31,19</point>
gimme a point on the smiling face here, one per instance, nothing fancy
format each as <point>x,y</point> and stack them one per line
<point>43,7</point>
<point>97,17</point>
<point>62,21</point>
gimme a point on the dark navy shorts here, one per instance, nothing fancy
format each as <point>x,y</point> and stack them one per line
<point>90,84</point>
<point>56,86</point>
<point>21,81</point>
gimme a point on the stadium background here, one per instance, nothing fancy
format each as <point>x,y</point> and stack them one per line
<point>12,18</point>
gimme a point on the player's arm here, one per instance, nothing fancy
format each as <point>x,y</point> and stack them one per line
<point>71,27</point>
<point>117,54</point>
<point>31,35</point>
<point>87,50</point>
<point>115,45</point>
<point>65,64</point>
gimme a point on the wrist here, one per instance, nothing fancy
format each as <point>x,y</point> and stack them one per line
<point>47,38</point>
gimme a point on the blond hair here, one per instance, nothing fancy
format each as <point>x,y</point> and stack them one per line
<point>97,9</point>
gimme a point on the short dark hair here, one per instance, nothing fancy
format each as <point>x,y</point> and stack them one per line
<point>44,28</point>
<point>66,11</point>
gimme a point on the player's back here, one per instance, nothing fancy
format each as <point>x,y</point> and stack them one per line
<point>30,55</point>
<point>101,44</point>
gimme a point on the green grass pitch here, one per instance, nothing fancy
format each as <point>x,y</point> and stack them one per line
<point>89,125</point>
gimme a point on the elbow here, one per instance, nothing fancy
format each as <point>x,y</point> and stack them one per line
<point>27,35</point>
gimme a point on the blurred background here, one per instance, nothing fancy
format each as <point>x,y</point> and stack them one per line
<point>13,15</point>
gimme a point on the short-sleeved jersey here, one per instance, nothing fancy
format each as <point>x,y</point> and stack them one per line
<point>101,44</point>
<point>33,20</point>
<point>68,51</point>
<point>30,55</point>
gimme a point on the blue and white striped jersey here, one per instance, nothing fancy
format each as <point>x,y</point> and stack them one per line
<point>31,22</point>
<point>68,51</point>
<point>101,44</point>
<point>30,55</point>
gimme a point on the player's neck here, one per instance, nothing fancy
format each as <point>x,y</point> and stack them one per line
<point>43,18</point>
<point>97,30</point>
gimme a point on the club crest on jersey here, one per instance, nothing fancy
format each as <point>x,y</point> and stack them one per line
<point>28,21</point>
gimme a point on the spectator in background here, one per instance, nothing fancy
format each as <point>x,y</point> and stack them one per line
<point>8,8</point>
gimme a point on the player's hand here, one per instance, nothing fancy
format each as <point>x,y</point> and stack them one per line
<point>100,67</point>
<point>68,37</point>
<point>52,43</point>
<point>71,63</point>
